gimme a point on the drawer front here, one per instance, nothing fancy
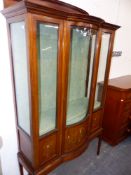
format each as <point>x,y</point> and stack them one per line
<point>96,121</point>
<point>125,117</point>
<point>75,137</point>
<point>126,112</point>
<point>48,148</point>
<point>128,95</point>
<point>127,106</point>
<point>123,131</point>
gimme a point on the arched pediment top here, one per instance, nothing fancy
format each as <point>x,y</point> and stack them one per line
<point>52,8</point>
<point>52,4</point>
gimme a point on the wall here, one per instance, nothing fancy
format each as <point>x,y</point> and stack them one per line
<point>7,120</point>
<point>117,12</point>
<point>122,66</point>
<point>114,11</point>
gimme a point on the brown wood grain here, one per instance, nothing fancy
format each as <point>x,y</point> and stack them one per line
<point>117,111</point>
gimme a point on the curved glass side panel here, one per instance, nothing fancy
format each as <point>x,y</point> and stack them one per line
<point>80,73</point>
<point>19,53</point>
<point>101,69</point>
<point>47,35</point>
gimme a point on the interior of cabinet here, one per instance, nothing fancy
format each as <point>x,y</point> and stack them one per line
<point>48,51</point>
<point>83,42</point>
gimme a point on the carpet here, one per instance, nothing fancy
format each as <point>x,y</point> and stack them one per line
<point>111,161</point>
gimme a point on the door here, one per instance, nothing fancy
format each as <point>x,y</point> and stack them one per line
<point>107,37</point>
<point>47,86</point>
<point>103,69</point>
<point>81,45</point>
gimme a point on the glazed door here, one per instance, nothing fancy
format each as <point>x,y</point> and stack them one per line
<point>48,38</point>
<point>82,47</point>
<point>47,35</point>
<point>103,69</point>
<point>81,43</point>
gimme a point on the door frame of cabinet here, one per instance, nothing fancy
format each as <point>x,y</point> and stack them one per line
<point>67,42</point>
<point>32,21</point>
<point>108,65</point>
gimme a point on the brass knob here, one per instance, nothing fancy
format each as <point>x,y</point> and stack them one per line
<point>128,130</point>
<point>48,146</point>
<point>68,137</point>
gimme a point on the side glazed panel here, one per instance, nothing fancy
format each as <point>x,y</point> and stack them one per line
<point>20,68</point>
<point>102,69</point>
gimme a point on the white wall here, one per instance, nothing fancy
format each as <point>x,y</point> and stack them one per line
<point>7,119</point>
<point>114,11</point>
<point>122,66</point>
<point>117,12</point>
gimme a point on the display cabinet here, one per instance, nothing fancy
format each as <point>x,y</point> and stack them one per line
<point>59,54</point>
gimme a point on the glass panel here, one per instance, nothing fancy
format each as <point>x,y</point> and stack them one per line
<point>18,40</point>
<point>80,73</point>
<point>101,69</point>
<point>47,47</point>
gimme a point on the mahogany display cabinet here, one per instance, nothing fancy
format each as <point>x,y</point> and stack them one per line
<point>59,54</point>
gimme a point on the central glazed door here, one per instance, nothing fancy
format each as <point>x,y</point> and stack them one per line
<point>80,54</point>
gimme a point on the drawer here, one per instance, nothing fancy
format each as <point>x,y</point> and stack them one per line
<point>96,121</point>
<point>128,96</point>
<point>127,106</point>
<point>75,137</point>
<point>48,148</point>
<point>123,132</point>
<point>125,117</point>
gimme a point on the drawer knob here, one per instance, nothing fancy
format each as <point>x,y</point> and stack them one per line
<point>128,130</point>
<point>82,130</point>
<point>68,137</point>
<point>48,146</point>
